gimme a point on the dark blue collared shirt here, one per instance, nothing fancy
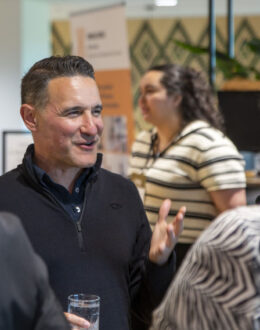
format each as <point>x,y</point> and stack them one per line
<point>71,202</point>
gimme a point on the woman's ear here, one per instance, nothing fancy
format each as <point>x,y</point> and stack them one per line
<point>28,114</point>
<point>177,100</point>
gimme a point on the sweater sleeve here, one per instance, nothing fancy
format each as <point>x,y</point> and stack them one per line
<point>27,300</point>
<point>148,281</point>
<point>221,166</point>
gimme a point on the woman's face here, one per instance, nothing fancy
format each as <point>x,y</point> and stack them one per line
<point>157,107</point>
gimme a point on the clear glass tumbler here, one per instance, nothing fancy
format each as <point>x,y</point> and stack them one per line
<point>86,306</point>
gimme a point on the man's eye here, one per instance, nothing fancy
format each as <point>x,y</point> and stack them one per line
<point>96,112</point>
<point>73,113</point>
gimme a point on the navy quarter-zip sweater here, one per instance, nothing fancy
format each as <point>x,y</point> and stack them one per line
<point>104,253</point>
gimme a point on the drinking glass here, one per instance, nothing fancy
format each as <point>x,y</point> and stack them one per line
<point>86,306</point>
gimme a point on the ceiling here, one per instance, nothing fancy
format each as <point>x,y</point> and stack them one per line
<point>61,9</point>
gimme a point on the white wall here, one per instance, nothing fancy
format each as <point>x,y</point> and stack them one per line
<point>35,32</point>
<point>24,38</point>
<point>145,8</point>
<point>10,64</point>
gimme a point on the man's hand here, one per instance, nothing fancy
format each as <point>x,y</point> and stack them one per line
<point>165,236</point>
<point>76,321</point>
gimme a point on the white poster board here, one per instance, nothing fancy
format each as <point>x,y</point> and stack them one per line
<point>100,36</point>
<point>15,144</point>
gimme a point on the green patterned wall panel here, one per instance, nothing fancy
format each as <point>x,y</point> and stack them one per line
<point>151,43</point>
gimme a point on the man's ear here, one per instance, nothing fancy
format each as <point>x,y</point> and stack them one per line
<point>28,113</point>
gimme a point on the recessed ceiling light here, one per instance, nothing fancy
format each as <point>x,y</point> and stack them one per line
<point>166,3</point>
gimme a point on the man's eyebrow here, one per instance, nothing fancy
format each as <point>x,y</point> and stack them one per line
<point>97,107</point>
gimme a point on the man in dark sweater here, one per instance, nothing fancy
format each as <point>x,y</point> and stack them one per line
<point>87,224</point>
<point>26,300</point>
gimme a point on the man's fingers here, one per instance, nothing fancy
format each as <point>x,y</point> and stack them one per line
<point>164,210</point>
<point>77,321</point>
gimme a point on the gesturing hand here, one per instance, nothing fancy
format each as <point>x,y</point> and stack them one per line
<point>165,235</point>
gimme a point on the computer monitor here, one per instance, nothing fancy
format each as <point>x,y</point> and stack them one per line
<point>241,111</point>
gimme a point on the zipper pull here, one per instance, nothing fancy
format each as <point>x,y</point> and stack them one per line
<point>79,226</point>
<point>80,237</point>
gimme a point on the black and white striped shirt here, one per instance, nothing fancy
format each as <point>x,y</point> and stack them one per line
<point>201,159</point>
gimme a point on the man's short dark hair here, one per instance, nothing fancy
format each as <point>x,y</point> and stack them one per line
<point>35,82</point>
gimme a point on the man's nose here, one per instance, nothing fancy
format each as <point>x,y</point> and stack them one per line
<point>88,125</point>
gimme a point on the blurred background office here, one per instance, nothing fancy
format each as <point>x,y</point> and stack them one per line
<point>33,29</point>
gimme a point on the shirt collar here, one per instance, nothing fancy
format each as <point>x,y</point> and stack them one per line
<point>47,182</point>
<point>189,128</point>
<point>33,170</point>
<point>193,126</point>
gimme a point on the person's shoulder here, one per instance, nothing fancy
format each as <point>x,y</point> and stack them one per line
<point>233,237</point>
<point>10,227</point>
<point>8,220</point>
<point>9,177</point>
<point>144,136</point>
<point>197,134</point>
<point>237,222</point>
<point>215,137</point>
<point>113,184</point>
<point>12,174</point>
<point>210,142</point>
<point>114,178</point>
<point>242,215</point>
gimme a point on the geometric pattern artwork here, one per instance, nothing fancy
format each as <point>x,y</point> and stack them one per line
<point>60,36</point>
<point>147,48</point>
<point>150,44</point>
<point>245,32</point>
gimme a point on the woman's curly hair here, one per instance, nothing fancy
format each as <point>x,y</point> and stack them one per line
<point>198,101</point>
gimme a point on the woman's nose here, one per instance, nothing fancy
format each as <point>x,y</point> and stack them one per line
<point>141,99</point>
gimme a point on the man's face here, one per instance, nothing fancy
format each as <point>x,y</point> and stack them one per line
<point>68,129</point>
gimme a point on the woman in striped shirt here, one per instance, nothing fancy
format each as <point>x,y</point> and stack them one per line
<point>185,157</point>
